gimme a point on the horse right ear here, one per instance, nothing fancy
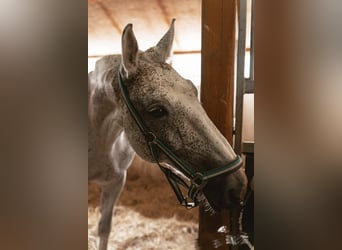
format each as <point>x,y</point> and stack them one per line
<point>162,51</point>
<point>129,52</point>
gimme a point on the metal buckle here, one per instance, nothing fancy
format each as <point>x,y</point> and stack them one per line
<point>198,181</point>
<point>188,204</point>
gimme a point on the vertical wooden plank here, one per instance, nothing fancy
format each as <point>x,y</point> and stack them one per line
<point>217,89</point>
<point>217,79</point>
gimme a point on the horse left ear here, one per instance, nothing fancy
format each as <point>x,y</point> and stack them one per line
<point>162,51</point>
<point>129,52</point>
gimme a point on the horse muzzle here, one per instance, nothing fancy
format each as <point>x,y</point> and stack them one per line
<point>226,191</point>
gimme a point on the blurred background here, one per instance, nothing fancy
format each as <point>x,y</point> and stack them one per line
<point>150,19</point>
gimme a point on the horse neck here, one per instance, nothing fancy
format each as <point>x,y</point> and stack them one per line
<point>105,114</point>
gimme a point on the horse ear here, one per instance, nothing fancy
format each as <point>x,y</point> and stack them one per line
<point>129,52</point>
<point>162,51</point>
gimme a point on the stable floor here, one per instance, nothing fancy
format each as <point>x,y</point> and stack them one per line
<point>147,215</point>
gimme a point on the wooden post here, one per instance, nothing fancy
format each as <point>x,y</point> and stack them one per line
<point>217,89</point>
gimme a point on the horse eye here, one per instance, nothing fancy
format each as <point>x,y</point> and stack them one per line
<point>157,111</point>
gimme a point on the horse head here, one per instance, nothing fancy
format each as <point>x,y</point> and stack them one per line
<point>168,105</point>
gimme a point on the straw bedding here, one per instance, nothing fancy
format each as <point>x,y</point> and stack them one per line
<point>147,215</point>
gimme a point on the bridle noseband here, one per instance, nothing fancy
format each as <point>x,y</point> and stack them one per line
<point>197,179</point>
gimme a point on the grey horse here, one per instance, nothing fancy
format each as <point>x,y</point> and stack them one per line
<point>170,107</point>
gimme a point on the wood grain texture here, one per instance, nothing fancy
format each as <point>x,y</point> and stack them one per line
<point>217,90</point>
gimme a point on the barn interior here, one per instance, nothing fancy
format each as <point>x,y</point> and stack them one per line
<point>148,215</point>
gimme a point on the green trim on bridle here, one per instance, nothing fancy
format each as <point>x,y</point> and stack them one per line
<point>197,179</point>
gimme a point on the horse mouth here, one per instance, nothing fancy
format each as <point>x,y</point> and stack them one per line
<point>213,208</point>
<point>215,201</point>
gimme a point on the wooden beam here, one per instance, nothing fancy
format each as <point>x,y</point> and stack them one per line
<point>218,50</point>
<point>217,90</point>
